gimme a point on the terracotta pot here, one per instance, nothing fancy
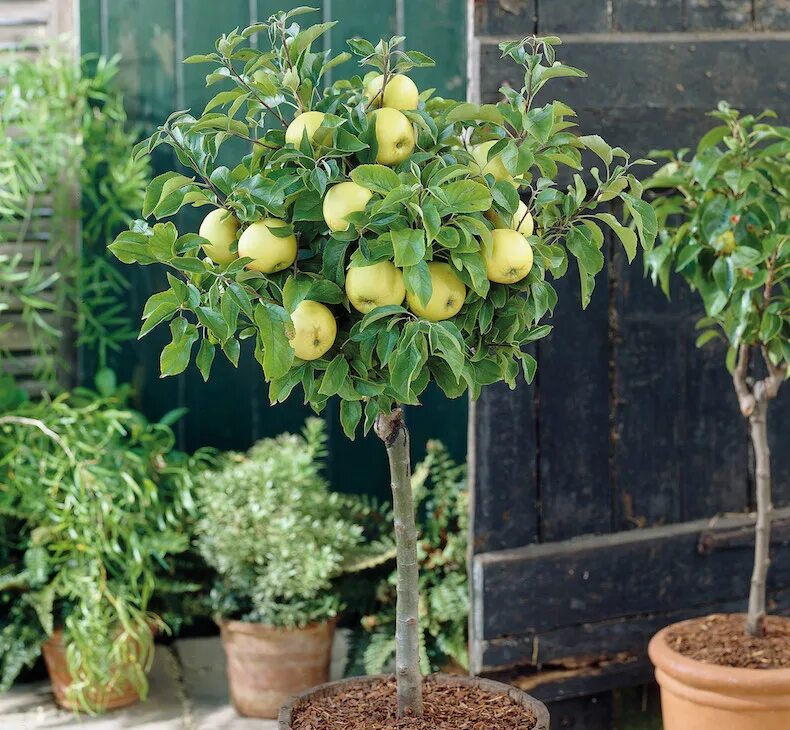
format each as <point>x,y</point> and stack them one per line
<point>54,651</point>
<point>522,698</point>
<point>700,696</point>
<point>266,665</point>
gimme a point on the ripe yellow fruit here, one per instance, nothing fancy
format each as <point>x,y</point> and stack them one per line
<point>401,92</point>
<point>310,121</point>
<point>394,136</point>
<point>269,252</point>
<point>219,227</point>
<point>726,243</point>
<point>494,166</point>
<point>521,220</point>
<point>315,330</point>
<point>511,258</point>
<point>374,286</point>
<point>342,199</point>
<point>447,298</point>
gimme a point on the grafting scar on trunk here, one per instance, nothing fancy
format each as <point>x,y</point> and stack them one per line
<point>391,429</point>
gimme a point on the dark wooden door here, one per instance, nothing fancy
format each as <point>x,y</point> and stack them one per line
<point>596,489</point>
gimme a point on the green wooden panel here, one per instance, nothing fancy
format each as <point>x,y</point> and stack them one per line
<point>153,36</point>
<point>438,29</point>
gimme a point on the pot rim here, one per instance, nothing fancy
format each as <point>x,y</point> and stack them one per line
<point>716,677</point>
<point>257,627</point>
<point>540,710</point>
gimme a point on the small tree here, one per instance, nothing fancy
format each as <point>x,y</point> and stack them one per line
<point>359,206</point>
<point>725,227</point>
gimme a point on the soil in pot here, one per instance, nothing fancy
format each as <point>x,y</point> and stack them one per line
<point>266,665</point>
<point>721,639</point>
<point>715,677</point>
<point>105,698</point>
<point>450,703</point>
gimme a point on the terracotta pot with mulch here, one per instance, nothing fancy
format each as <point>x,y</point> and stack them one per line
<point>266,665</point>
<point>54,651</point>
<point>715,677</point>
<point>369,703</point>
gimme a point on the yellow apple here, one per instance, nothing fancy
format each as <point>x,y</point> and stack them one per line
<point>309,121</point>
<point>726,243</point>
<point>394,136</point>
<point>511,258</point>
<point>342,199</point>
<point>315,330</point>
<point>521,221</point>
<point>374,286</point>
<point>219,227</point>
<point>401,92</point>
<point>447,297</point>
<point>269,252</point>
<point>494,166</point>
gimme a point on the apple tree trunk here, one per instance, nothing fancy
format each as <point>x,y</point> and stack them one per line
<point>391,429</point>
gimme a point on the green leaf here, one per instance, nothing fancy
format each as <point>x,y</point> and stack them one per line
<point>626,235</point>
<point>540,122</point>
<point>467,196</point>
<point>350,415</point>
<point>505,196</point>
<point>409,245</point>
<point>581,245</point>
<point>239,295</point>
<point>304,39</point>
<point>205,358</point>
<point>308,207</point>
<point>599,146</point>
<point>335,376</point>
<point>417,279</point>
<point>213,321</point>
<point>273,325</point>
<point>644,217</point>
<point>378,178</point>
<point>175,355</point>
<point>770,326</point>
<point>705,165</point>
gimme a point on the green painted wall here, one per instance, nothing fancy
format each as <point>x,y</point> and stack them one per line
<point>231,411</point>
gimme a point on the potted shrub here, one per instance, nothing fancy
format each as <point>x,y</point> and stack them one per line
<point>94,497</point>
<point>725,227</point>
<point>370,242</point>
<point>277,537</point>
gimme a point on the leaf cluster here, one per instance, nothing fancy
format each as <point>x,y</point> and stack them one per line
<point>724,218</point>
<point>274,533</point>
<point>437,205</point>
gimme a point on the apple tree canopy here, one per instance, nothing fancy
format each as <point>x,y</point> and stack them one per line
<point>438,205</point>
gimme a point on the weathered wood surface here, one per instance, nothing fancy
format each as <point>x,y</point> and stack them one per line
<point>582,601</point>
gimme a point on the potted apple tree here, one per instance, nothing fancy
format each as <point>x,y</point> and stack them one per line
<point>371,241</point>
<point>724,217</point>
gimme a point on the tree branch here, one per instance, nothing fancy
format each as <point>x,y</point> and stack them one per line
<point>746,399</point>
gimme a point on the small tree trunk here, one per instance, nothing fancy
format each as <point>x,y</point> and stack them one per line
<point>391,429</point>
<point>762,544</point>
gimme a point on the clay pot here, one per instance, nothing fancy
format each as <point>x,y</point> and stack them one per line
<point>54,651</point>
<point>266,665</point>
<point>699,696</point>
<point>497,688</point>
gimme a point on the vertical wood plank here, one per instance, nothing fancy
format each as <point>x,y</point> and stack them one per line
<point>505,499</point>
<point>718,14</point>
<point>441,33</point>
<point>143,32</point>
<point>573,16</point>
<point>573,418</point>
<point>772,14</point>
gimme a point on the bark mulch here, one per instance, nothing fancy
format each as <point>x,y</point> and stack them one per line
<point>721,639</point>
<point>373,707</point>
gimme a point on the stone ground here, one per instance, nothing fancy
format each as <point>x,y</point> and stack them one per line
<point>188,691</point>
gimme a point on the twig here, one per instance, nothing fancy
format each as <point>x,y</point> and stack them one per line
<point>41,426</point>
